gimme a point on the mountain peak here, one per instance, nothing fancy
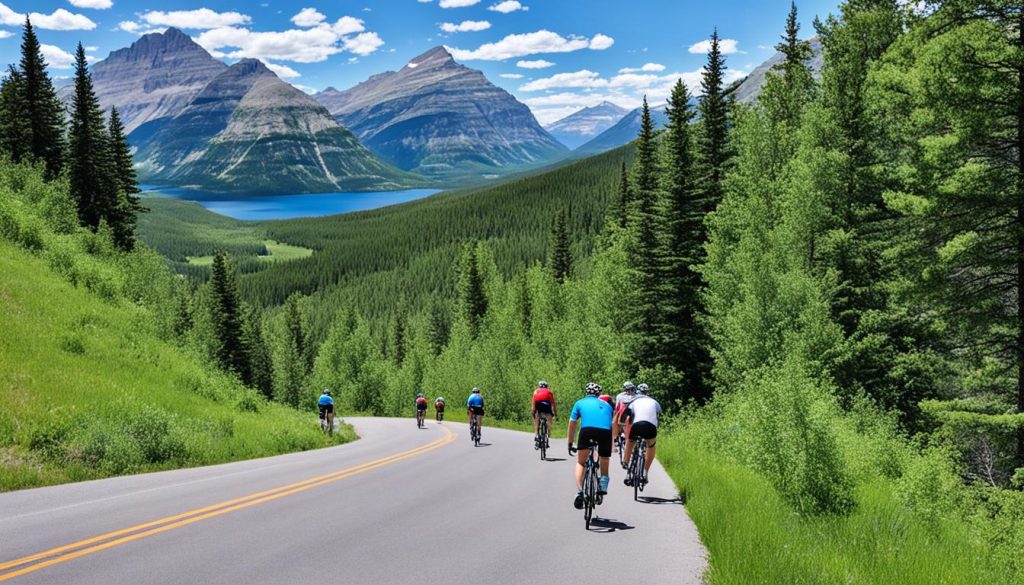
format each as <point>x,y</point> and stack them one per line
<point>250,66</point>
<point>436,57</point>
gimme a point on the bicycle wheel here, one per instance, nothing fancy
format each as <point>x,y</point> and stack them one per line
<point>621,445</point>
<point>543,439</point>
<point>330,427</point>
<point>589,495</point>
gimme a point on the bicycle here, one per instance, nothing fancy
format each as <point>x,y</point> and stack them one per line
<point>591,475</point>
<point>637,461</point>
<point>474,430</point>
<point>542,437</point>
<point>439,416</point>
<point>620,445</point>
<point>421,416</point>
<point>327,424</point>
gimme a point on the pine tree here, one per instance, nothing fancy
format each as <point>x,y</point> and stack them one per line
<point>796,76</point>
<point>472,297</point>
<point>260,367</point>
<point>124,214</point>
<point>45,112</point>
<point>296,331</point>
<point>225,315</point>
<point>560,260</point>
<point>89,165</point>
<point>645,168</point>
<point>398,342</point>
<point>15,131</point>
<point>712,139</point>
<point>625,197</point>
<point>437,328</point>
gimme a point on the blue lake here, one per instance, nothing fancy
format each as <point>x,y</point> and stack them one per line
<point>268,207</point>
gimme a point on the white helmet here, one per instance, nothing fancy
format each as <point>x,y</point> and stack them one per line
<point>644,389</point>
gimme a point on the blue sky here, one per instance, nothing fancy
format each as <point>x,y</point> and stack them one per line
<point>554,55</point>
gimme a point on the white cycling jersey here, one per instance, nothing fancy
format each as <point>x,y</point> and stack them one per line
<point>623,399</point>
<point>645,409</point>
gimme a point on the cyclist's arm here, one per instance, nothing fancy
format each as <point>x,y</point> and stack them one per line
<point>571,433</point>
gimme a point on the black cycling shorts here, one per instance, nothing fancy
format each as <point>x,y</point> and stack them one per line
<point>439,406</point>
<point>643,430</point>
<point>478,410</point>
<point>543,407</point>
<point>603,438</point>
<point>421,406</point>
<point>325,408</point>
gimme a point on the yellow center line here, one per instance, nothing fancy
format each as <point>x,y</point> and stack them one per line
<point>184,519</point>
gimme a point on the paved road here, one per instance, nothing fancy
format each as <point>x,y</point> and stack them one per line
<point>399,506</point>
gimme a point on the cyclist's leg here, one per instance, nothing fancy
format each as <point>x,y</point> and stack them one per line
<point>536,422</point>
<point>582,455</point>
<point>550,417</point>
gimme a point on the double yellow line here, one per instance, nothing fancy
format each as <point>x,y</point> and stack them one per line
<point>61,554</point>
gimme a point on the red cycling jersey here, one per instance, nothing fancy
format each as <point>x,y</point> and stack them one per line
<point>543,395</point>
<point>607,399</point>
<point>421,400</point>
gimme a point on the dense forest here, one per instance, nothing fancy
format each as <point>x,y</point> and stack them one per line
<point>824,286</point>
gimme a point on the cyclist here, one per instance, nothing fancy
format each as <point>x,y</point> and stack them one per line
<point>643,412</point>
<point>627,395</point>
<point>543,405</point>
<point>475,408</point>
<point>439,408</point>
<point>326,406</point>
<point>594,417</point>
<point>421,406</point>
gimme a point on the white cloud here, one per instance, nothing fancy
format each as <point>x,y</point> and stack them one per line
<point>508,6</point>
<point>647,67</point>
<point>94,4</point>
<point>91,49</point>
<point>305,45</point>
<point>282,71</point>
<point>200,19</point>
<point>465,26</point>
<point>59,19</point>
<point>725,46</point>
<point>4,34</point>
<point>304,88</point>
<point>656,86</point>
<point>457,3</point>
<point>582,78</point>
<point>536,64</point>
<point>308,17</point>
<point>56,57</point>
<point>521,45</point>
<point>512,75</point>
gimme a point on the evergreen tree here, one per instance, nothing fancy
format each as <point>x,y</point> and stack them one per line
<point>15,131</point>
<point>472,297</point>
<point>398,339</point>
<point>296,331</point>
<point>124,213</point>
<point>712,139</point>
<point>226,318</point>
<point>437,328</point>
<point>796,75</point>
<point>45,112</point>
<point>560,260</point>
<point>89,166</point>
<point>625,197</point>
<point>645,168</point>
<point>260,367</point>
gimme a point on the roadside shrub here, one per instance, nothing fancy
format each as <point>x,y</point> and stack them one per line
<point>248,401</point>
<point>931,487</point>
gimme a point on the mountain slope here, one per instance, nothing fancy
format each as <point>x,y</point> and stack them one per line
<point>622,132</point>
<point>748,89</point>
<point>249,131</point>
<point>156,77</point>
<point>439,118</point>
<point>582,126</point>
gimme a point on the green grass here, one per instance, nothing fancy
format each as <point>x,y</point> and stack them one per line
<point>87,390</point>
<point>753,536</point>
<point>276,252</point>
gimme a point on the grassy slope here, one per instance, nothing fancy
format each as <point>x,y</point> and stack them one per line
<point>86,391</point>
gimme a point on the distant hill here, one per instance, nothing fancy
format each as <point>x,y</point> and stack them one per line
<point>582,126</point>
<point>750,87</point>
<point>442,119</point>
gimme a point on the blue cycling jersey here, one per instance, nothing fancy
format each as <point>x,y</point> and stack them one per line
<point>325,400</point>
<point>475,400</point>
<point>593,412</point>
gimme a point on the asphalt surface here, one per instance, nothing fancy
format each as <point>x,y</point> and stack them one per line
<point>401,505</point>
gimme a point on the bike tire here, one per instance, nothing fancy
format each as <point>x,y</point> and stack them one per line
<point>543,438</point>
<point>330,428</point>
<point>589,496</point>
<point>621,446</point>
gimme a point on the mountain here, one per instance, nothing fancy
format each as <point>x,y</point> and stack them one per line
<point>442,119</point>
<point>750,87</point>
<point>249,131</point>
<point>622,132</point>
<point>580,127</point>
<point>156,77</point>
<point>744,91</point>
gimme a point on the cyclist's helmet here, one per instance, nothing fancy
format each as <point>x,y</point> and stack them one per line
<point>542,384</point>
<point>593,389</point>
<point>326,392</point>
<point>440,399</point>
<point>644,389</point>
<point>476,390</point>
<point>419,395</point>
<point>629,387</point>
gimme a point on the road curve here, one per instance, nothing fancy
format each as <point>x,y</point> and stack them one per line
<point>400,506</point>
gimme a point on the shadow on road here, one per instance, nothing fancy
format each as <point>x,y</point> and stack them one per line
<point>482,444</point>
<point>653,500</point>
<point>608,525</point>
<point>554,459</point>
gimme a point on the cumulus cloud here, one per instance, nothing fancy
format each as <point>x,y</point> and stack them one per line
<point>308,17</point>
<point>4,34</point>
<point>465,26</point>
<point>521,45</point>
<point>199,19</point>
<point>647,67</point>
<point>59,19</point>
<point>582,78</point>
<point>94,4</point>
<point>282,71</point>
<point>656,86</point>
<point>306,45</point>
<point>726,46</point>
<point>508,6</point>
<point>457,3</point>
<point>535,64</point>
<point>512,75</point>
<point>56,57</point>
